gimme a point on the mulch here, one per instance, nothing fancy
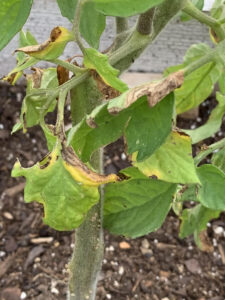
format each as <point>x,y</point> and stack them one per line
<point>34,257</point>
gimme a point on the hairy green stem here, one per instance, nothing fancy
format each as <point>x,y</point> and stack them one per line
<point>121,25</point>
<point>76,25</point>
<point>74,69</point>
<point>87,257</point>
<point>145,22</point>
<point>208,150</point>
<point>195,13</point>
<point>60,112</point>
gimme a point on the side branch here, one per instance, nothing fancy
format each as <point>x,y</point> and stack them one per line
<point>121,25</point>
<point>195,13</point>
<point>145,21</point>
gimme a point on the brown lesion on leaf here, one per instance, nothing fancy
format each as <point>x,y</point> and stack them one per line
<point>62,74</point>
<point>108,91</point>
<point>214,36</point>
<point>91,123</point>
<point>70,157</point>
<point>205,243</point>
<point>155,91</point>
<point>10,78</point>
<point>36,77</point>
<point>153,177</point>
<point>55,33</point>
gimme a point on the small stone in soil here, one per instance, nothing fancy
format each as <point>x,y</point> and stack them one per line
<point>124,245</point>
<point>145,244</point>
<point>8,215</point>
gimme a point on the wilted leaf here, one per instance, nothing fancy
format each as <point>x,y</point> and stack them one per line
<point>212,125</point>
<point>66,188</point>
<point>155,91</point>
<point>212,190</point>
<point>136,206</point>
<point>99,62</point>
<point>52,48</point>
<point>124,8</point>
<point>172,162</point>
<point>13,15</point>
<point>23,62</point>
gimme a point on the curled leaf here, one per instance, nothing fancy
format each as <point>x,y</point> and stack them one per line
<point>80,172</point>
<point>63,185</point>
<point>52,48</point>
<point>155,91</point>
<point>97,61</point>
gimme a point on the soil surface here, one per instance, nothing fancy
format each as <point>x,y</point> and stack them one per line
<point>34,258</point>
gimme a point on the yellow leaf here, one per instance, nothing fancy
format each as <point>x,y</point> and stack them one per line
<point>52,48</point>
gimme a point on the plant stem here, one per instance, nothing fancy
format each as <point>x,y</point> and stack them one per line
<point>194,12</point>
<point>76,25</point>
<point>87,257</point>
<point>60,112</point>
<point>145,21</point>
<point>208,150</point>
<point>121,25</point>
<point>74,69</point>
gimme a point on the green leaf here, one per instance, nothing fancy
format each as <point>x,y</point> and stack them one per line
<point>92,22</point>
<point>124,8</point>
<point>199,84</point>
<point>172,162</point>
<point>194,220</point>
<point>105,129</point>
<point>212,125</point>
<point>66,201</point>
<point>36,105</point>
<point>49,135</point>
<point>137,206</point>
<point>212,190</point>
<point>222,83</point>
<point>99,62</point>
<point>68,8</point>
<point>108,121</point>
<point>218,159</point>
<point>188,193</point>
<point>13,15</point>
<point>26,39</point>
<point>149,127</point>
<point>198,3</point>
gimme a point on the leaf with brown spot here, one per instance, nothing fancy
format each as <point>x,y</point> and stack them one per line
<point>155,91</point>
<point>52,48</point>
<point>63,185</point>
<point>194,221</point>
<point>172,162</point>
<point>62,74</point>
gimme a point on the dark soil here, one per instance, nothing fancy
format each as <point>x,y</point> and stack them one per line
<point>33,257</point>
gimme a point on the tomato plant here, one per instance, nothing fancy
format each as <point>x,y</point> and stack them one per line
<point>69,181</point>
